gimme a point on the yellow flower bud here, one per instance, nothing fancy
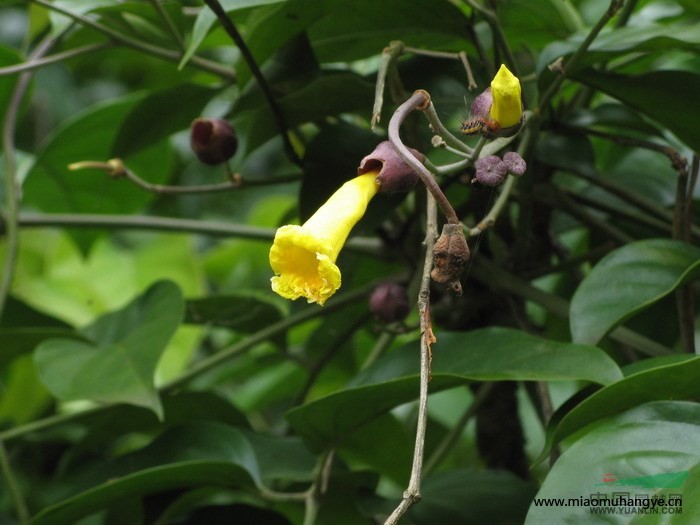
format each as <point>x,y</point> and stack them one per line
<point>507,107</point>
<point>303,257</point>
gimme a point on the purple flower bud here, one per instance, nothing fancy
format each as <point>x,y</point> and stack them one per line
<point>481,105</point>
<point>395,174</point>
<point>389,302</point>
<point>491,170</point>
<point>213,140</point>
<point>514,163</point>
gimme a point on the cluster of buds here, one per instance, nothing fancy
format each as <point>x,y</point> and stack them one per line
<point>492,170</point>
<point>389,302</point>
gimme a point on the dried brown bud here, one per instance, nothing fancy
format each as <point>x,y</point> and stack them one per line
<point>490,170</point>
<point>213,140</point>
<point>389,302</point>
<point>514,163</point>
<point>450,255</point>
<point>395,174</point>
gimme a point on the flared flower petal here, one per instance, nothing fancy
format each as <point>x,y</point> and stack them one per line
<point>507,107</point>
<point>303,257</point>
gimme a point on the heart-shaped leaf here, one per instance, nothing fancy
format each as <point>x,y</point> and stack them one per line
<point>118,361</point>
<point>649,452</point>
<point>627,281</point>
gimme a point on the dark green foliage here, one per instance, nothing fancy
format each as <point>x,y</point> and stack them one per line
<point>149,375</point>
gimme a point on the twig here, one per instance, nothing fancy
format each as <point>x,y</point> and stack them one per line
<point>412,493</point>
<point>319,487</point>
<point>490,218</point>
<point>389,55</point>
<point>573,60</point>
<point>681,231</point>
<point>136,222</point>
<point>116,169</point>
<point>52,59</point>
<point>277,114</point>
<point>169,22</point>
<point>156,51</point>
<point>15,493</point>
<point>456,431</point>
<point>495,25</point>
<point>11,227</point>
<point>419,100</point>
<point>439,128</point>
<point>488,273</point>
<point>380,346</point>
<point>12,191</point>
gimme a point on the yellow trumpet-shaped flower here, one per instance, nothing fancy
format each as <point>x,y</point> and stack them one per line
<point>507,108</point>
<point>303,257</point>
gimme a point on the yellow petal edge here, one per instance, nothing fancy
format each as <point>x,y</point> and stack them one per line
<point>303,257</point>
<point>507,107</point>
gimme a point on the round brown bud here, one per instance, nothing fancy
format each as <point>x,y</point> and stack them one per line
<point>389,302</point>
<point>213,140</point>
<point>515,164</point>
<point>490,170</point>
<point>395,174</point>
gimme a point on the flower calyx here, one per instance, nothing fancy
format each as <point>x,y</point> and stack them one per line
<point>395,174</point>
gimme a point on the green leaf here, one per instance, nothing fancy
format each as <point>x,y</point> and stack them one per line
<point>204,454</point>
<point>619,41</point>
<point>89,136</point>
<point>310,103</point>
<point>154,118</point>
<point>627,281</point>
<point>665,96</point>
<point>246,312</point>
<point>491,354</point>
<point>362,28</point>
<point>672,381</point>
<point>466,497</point>
<point>206,19</point>
<point>21,340</point>
<point>118,363</point>
<point>649,451</point>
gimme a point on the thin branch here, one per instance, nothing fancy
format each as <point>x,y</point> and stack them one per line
<point>455,432</point>
<point>389,55</point>
<point>277,113</point>
<point>617,211</point>
<point>490,218</point>
<point>488,273</point>
<point>412,493</point>
<point>12,190</point>
<point>169,22</point>
<point>419,100</point>
<point>52,59</point>
<point>681,231</point>
<point>578,54</point>
<point>15,492</point>
<point>136,222</point>
<point>495,25</point>
<point>439,128</point>
<point>380,346</point>
<point>11,226</point>
<point>319,487</point>
<point>156,51</point>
